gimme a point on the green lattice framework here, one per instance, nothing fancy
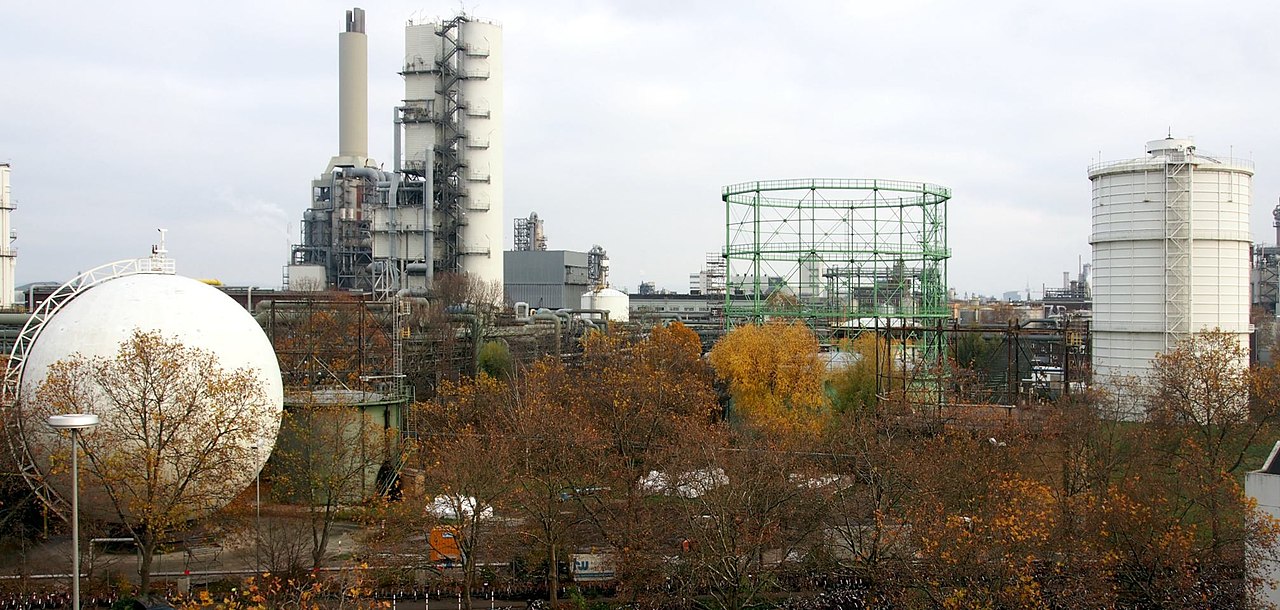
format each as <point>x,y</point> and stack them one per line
<point>851,253</point>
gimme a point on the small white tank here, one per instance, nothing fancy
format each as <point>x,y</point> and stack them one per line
<point>616,302</point>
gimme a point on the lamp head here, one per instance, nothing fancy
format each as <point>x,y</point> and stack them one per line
<point>73,421</point>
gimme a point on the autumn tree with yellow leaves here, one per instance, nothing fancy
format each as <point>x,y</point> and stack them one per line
<point>774,375</point>
<point>854,385</point>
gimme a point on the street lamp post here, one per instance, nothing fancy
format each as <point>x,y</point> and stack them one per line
<point>257,508</point>
<point>257,491</point>
<point>76,423</point>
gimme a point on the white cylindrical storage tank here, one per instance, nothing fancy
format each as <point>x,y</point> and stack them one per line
<point>480,64</point>
<point>616,302</point>
<point>1170,253</point>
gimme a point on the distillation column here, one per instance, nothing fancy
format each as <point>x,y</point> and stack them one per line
<point>453,139</point>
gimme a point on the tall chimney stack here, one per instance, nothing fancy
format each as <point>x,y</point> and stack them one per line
<point>353,90</point>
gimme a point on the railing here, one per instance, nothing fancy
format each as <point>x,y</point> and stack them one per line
<point>9,391</point>
<point>1162,160</point>
<point>836,183</point>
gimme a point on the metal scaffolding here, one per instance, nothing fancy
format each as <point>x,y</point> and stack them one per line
<point>449,159</point>
<point>845,255</point>
<point>530,235</point>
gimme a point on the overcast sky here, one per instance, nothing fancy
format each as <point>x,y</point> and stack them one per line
<point>624,119</point>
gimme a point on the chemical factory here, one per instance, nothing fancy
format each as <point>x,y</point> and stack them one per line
<point>400,280</point>
<point>1172,254</point>
<point>440,207</point>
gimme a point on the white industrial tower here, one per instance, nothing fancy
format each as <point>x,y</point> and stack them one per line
<point>453,138</point>
<point>1170,254</point>
<point>8,256</point>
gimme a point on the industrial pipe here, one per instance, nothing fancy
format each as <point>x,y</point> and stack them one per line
<point>373,174</point>
<point>15,319</point>
<point>603,313</point>
<point>428,216</point>
<point>395,139</point>
<point>545,314</point>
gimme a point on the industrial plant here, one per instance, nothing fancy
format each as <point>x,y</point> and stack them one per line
<point>440,207</point>
<point>400,306</point>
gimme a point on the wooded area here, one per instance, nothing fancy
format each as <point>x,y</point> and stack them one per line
<point>758,475</point>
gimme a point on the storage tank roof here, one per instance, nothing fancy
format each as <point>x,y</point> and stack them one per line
<point>1171,150</point>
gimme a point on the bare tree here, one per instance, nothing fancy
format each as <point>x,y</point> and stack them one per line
<point>747,506</point>
<point>175,423</point>
<point>468,474</point>
<point>327,458</point>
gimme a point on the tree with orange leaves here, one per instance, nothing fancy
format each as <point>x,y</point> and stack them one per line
<point>641,393</point>
<point>1206,408</point>
<point>468,474</point>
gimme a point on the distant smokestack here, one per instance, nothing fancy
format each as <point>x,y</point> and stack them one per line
<point>353,88</point>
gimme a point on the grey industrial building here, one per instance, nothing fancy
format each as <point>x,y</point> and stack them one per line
<point>553,279</point>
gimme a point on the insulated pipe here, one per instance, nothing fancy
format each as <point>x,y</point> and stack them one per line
<point>415,269</point>
<point>353,88</point>
<point>376,175</point>
<point>334,214</point>
<point>413,296</point>
<point>16,319</point>
<point>545,314</point>
<point>428,217</point>
<point>603,313</point>
<point>393,222</point>
<point>395,140</point>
